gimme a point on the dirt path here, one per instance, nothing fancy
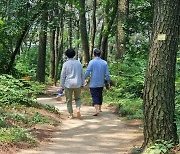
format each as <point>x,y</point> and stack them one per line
<point>105,134</point>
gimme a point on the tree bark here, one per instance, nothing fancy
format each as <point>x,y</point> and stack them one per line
<point>108,22</point>
<point>41,65</point>
<point>59,45</point>
<point>17,49</point>
<point>93,28</point>
<point>159,90</point>
<point>83,31</point>
<point>77,38</point>
<point>70,28</point>
<point>100,36</point>
<point>52,53</point>
<point>120,35</point>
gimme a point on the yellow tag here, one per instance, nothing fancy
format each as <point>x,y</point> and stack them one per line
<point>161,37</point>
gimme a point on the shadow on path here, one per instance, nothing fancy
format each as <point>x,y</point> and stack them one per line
<point>104,134</point>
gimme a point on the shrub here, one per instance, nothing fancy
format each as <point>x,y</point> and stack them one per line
<point>15,135</point>
<point>17,91</point>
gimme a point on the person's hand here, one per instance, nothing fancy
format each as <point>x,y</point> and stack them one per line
<point>108,86</point>
<point>60,90</point>
<point>85,83</point>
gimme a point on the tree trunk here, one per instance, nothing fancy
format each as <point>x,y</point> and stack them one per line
<point>104,46</point>
<point>83,31</point>
<point>77,38</point>
<point>159,90</point>
<point>108,22</point>
<point>52,53</point>
<point>70,28</point>
<point>20,41</point>
<point>100,36</point>
<point>93,28</point>
<point>59,45</point>
<point>120,35</point>
<point>42,47</point>
<point>17,49</point>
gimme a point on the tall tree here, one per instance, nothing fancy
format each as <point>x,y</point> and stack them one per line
<point>93,28</point>
<point>159,90</point>
<point>70,26</point>
<point>83,31</point>
<point>120,35</point>
<point>77,38</point>
<point>100,36</point>
<point>59,42</point>
<point>52,53</point>
<point>109,16</point>
<point>52,39</point>
<point>26,18</point>
<point>41,65</point>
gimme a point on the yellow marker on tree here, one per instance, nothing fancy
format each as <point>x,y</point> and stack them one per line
<point>161,37</point>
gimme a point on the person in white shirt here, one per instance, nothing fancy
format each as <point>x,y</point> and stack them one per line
<point>72,79</point>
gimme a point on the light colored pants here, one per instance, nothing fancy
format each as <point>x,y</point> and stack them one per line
<point>77,96</point>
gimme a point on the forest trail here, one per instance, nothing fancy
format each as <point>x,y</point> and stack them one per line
<point>104,134</point>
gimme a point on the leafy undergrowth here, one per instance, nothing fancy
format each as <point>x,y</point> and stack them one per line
<point>19,125</point>
<point>126,88</point>
<point>21,117</point>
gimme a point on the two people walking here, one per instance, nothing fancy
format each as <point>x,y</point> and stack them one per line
<point>72,79</point>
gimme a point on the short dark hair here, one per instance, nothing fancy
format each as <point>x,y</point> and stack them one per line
<point>97,52</point>
<point>70,53</point>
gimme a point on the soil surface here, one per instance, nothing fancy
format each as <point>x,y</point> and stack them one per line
<point>102,134</point>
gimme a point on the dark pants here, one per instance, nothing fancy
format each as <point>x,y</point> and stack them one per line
<point>96,94</point>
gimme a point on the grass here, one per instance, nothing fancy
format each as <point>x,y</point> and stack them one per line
<point>16,123</point>
<point>20,114</point>
<point>16,135</point>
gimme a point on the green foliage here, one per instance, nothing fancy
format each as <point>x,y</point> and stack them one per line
<point>159,147</point>
<point>5,54</point>
<point>15,135</point>
<point>13,116</point>
<point>127,87</point>
<point>14,91</point>
<point>140,16</point>
<point>38,118</point>
<point>15,119</point>
<point>2,122</point>
<point>50,108</point>
<point>128,80</point>
<point>26,63</point>
<point>131,108</point>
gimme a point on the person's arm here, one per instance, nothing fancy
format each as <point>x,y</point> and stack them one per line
<point>63,77</point>
<point>88,71</point>
<point>82,76</point>
<point>107,74</point>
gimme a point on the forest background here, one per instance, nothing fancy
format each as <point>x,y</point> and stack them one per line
<point>34,35</point>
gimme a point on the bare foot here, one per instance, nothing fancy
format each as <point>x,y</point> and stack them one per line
<point>79,115</point>
<point>70,117</point>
